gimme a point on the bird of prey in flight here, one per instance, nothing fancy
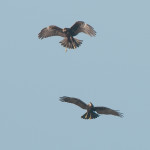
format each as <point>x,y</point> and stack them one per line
<point>68,33</point>
<point>92,112</point>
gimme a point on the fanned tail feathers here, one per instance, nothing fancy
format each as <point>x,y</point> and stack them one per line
<point>71,44</point>
<point>90,115</point>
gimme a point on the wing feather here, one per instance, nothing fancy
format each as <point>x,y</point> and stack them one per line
<point>108,111</point>
<point>75,101</point>
<point>81,26</point>
<point>51,31</point>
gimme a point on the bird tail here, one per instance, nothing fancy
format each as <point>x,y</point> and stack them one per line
<point>90,115</point>
<point>71,43</point>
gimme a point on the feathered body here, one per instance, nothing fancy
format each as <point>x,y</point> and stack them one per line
<point>69,41</point>
<point>68,33</point>
<point>90,114</point>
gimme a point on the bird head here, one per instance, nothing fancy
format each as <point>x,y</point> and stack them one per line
<point>90,104</point>
<point>65,29</point>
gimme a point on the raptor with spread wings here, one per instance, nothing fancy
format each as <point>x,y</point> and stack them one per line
<point>92,112</point>
<point>68,33</point>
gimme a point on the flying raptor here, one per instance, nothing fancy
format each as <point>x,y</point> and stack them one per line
<point>92,112</point>
<point>68,33</point>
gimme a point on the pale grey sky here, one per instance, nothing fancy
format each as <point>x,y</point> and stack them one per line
<point>111,69</point>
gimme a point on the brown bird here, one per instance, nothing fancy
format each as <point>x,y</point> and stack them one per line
<point>91,110</point>
<point>68,33</point>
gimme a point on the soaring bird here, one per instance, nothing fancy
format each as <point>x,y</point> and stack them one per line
<point>92,112</point>
<point>68,33</point>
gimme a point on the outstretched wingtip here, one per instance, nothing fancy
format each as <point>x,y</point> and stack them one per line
<point>40,35</point>
<point>119,114</point>
<point>62,98</point>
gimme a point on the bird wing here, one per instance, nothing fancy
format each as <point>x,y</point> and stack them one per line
<point>81,26</point>
<point>51,31</point>
<point>108,111</point>
<point>75,101</point>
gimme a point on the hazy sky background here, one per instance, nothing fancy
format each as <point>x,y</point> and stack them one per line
<point>111,69</point>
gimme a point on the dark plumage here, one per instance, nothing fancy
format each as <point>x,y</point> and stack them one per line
<point>92,112</point>
<point>68,33</point>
